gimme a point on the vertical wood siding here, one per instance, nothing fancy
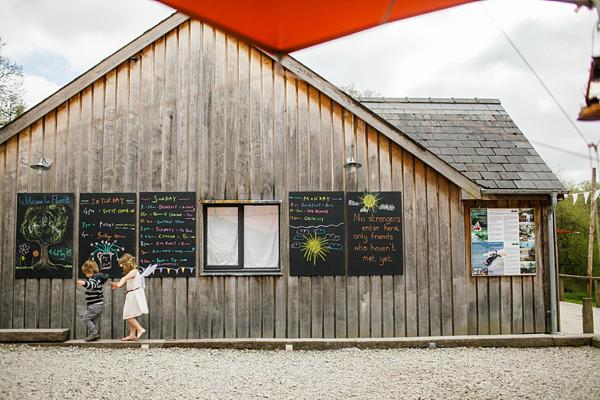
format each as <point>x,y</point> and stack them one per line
<point>201,111</point>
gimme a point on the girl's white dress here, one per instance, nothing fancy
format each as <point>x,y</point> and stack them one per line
<point>135,299</point>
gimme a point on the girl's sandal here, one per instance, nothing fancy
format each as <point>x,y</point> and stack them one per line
<point>130,337</point>
<point>140,333</point>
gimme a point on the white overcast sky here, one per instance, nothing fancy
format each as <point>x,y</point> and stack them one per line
<point>459,52</point>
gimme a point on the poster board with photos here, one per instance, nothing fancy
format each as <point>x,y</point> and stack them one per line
<point>374,233</point>
<point>44,239</point>
<point>502,241</point>
<point>107,224</point>
<point>168,233</point>
<point>316,223</point>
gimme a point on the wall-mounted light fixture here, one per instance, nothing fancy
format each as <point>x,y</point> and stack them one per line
<point>43,165</point>
<point>352,165</point>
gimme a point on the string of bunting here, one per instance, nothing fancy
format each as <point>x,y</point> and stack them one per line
<point>586,196</point>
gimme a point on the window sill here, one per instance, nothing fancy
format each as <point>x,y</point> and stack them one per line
<point>266,272</point>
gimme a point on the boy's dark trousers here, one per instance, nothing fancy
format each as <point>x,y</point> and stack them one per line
<point>90,317</point>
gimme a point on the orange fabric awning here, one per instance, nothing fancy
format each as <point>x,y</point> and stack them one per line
<point>283,26</point>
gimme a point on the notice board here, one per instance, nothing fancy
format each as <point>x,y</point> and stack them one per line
<point>106,230</point>
<point>44,235</point>
<point>503,241</point>
<point>316,223</point>
<point>168,233</point>
<point>374,233</point>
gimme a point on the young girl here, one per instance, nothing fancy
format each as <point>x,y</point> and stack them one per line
<point>135,299</point>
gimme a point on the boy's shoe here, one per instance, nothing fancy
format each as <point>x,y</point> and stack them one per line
<point>92,336</point>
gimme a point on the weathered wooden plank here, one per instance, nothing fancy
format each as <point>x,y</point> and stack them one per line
<point>328,307</point>
<point>158,114</point>
<point>472,284</point>
<point>18,321</point>
<point>267,151</point>
<point>154,296</point>
<point>410,245</point>
<point>316,310</point>
<point>539,286</point>
<point>44,304</point>
<point>207,107</point>
<point>255,123</point>
<point>8,181</point>
<point>483,311</point>
<point>376,319</point>
<point>181,308</point>
<point>304,310</point>
<point>193,298</point>
<point>231,118</point>
<point>195,99</point>
<point>170,106</point>
<point>361,154</point>
<point>281,316</point>
<point>183,148</point>
<point>364,306</point>
<point>31,298</point>
<point>459,268</point>
<point>494,304</point>
<point>254,300</point>
<point>399,280</point>
<point>445,255</point>
<point>61,150</point>
<point>107,132</point>
<point>243,109</point>
<point>341,330</point>
<point>303,137</point>
<point>218,307</point>
<point>350,151</point>
<point>56,303</point>
<point>205,296</point>
<point>120,328</point>
<point>106,321</point>
<point>517,301</point>
<point>229,320</point>
<point>326,144</point>
<point>314,137</point>
<point>421,236</point>
<point>246,304</point>
<point>505,296</point>
<point>353,304</point>
<point>219,105</point>
<point>268,307</point>
<point>133,125</point>
<point>121,163</point>
<point>387,305</point>
<point>433,253</point>
<point>97,137</point>
<point>293,307</point>
<point>528,305</point>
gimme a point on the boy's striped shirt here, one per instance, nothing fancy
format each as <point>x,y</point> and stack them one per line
<point>93,286</point>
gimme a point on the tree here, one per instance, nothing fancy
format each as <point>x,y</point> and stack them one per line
<point>45,225</point>
<point>354,92</point>
<point>11,89</point>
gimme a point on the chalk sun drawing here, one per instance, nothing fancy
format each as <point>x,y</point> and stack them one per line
<point>315,247</point>
<point>370,201</point>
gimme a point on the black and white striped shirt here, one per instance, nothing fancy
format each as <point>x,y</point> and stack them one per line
<point>93,286</point>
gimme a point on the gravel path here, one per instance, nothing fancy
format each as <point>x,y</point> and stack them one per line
<point>454,373</point>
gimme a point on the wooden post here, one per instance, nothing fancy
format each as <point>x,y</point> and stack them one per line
<point>588,316</point>
<point>561,288</point>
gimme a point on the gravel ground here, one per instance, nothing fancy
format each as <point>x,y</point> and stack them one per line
<point>454,373</point>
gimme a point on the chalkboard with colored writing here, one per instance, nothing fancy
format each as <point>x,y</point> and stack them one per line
<point>106,230</point>
<point>44,235</point>
<point>168,233</point>
<point>316,223</point>
<point>374,233</point>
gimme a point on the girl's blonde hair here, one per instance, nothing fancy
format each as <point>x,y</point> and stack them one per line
<point>90,267</point>
<point>127,262</point>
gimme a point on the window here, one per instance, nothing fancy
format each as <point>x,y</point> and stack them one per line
<point>241,238</point>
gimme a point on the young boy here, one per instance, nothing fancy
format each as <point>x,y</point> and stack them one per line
<point>93,297</point>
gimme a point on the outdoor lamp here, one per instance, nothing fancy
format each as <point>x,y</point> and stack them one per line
<point>352,165</point>
<point>591,111</point>
<point>43,165</point>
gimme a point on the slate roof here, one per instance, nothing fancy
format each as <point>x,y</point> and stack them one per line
<point>475,136</point>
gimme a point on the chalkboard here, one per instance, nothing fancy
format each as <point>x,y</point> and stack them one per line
<point>106,229</point>
<point>316,233</point>
<point>168,233</point>
<point>44,235</point>
<point>374,233</point>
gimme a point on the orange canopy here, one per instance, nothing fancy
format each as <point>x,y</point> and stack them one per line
<point>283,26</point>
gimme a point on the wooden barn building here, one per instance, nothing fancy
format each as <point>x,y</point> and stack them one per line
<point>228,168</point>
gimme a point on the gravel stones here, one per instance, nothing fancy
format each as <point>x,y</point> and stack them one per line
<point>443,373</point>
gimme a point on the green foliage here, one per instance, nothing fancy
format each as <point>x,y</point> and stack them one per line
<point>11,89</point>
<point>573,247</point>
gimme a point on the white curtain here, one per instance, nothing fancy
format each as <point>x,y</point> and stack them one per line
<point>222,236</point>
<point>261,236</point>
